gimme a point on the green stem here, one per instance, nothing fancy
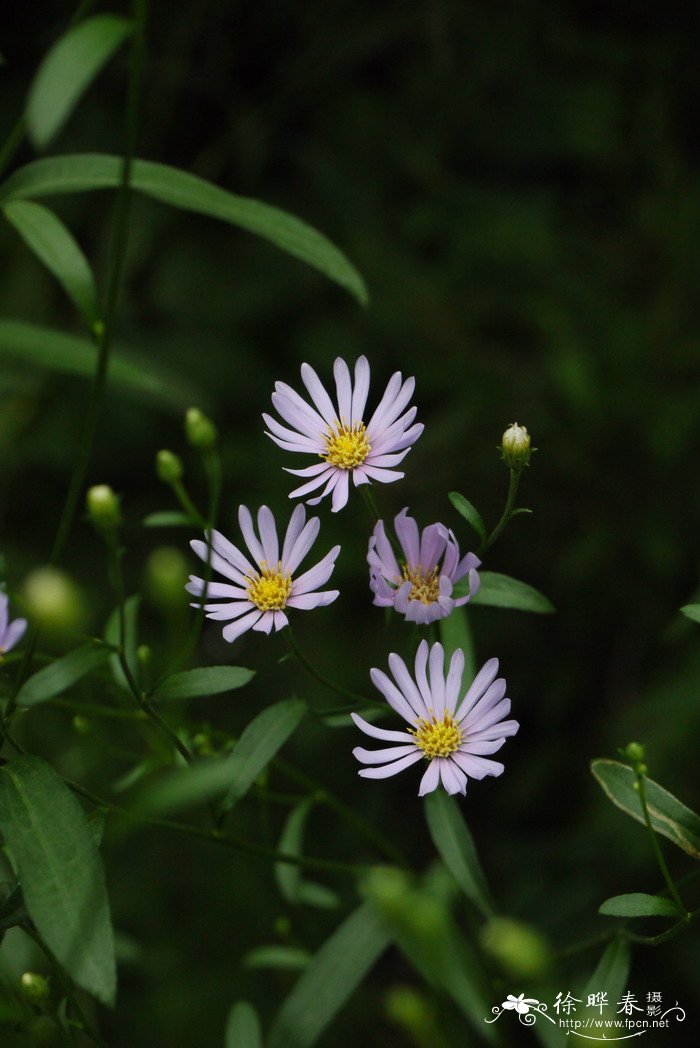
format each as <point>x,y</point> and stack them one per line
<point>91,708</point>
<point>182,495</point>
<point>655,844</point>
<point>670,933</point>
<point>298,654</point>
<point>507,512</point>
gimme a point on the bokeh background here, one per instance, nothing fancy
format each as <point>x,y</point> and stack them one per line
<point>518,184</point>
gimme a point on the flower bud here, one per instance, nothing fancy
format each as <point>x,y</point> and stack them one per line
<point>409,1008</point>
<point>143,654</point>
<point>34,987</point>
<point>199,430</point>
<point>519,949</point>
<point>103,507</point>
<point>53,601</point>
<point>166,578</point>
<point>635,752</point>
<point>515,447</point>
<point>168,467</point>
<point>82,725</point>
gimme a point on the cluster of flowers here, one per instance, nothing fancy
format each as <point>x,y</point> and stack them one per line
<point>455,732</point>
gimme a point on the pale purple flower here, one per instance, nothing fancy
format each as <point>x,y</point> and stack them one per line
<point>455,735</point>
<point>420,586</point>
<point>262,589</point>
<point>11,633</point>
<point>336,432</point>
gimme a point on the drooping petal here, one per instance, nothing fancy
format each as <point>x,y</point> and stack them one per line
<point>235,629</point>
<point>453,778</point>
<point>311,485</point>
<point>281,620</point>
<point>265,622</point>
<point>382,476</point>
<point>340,492</point>
<point>385,734</point>
<point>390,769</point>
<point>476,767</point>
<point>431,778</point>
<point>391,753</point>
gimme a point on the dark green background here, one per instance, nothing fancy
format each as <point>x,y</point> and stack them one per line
<point>518,183</point>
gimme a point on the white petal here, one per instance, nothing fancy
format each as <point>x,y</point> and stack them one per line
<point>391,753</point>
<point>318,394</point>
<point>390,769</point>
<point>385,734</point>
<point>430,779</point>
<point>359,395</point>
<point>343,388</point>
<point>235,629</point>
<point>245,522</point>
<point>268,536</point>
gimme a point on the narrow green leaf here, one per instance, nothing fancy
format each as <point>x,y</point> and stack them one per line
<point>318,896</point>
<point>258,744</point>
<point>54,245</point>
<point>669,816</point>
<point>61,674</point>
<point>60,871</point>
<point>288,877</point>
<point>287,958</point>
<point>610,975</point>
<point>638,904</point>
<point>168,518</point>
<point>501,591</point>
<point>330,979</point>
<point>243,1027</point>
<point>470,513</point>
<point>112,636</point>
<point>692,611</point>
<point>456,846</point>
<point>455,632</point>
<point>209,680</point>
<point>80,172</point>
<point>67,71</point>
<point>72,355</point>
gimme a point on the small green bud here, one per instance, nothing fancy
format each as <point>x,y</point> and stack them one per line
<point>166,578</point>
<point>103,507</point>
<point>34,987</point>
<point>283,927</point>
<point>641,769</point>
<point>515,447</point>
<point>202,744</point>
<point>519,949</point>
<point>634,751</point>
<point>199,430</point>
<point>98,330</point>
<point>406,1007</point>
<point>168,467</point>
<point>53,601</point>
<point>82,725</point>
<point>143,654</point>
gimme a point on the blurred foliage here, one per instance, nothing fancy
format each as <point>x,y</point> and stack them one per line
<point>518,184</point>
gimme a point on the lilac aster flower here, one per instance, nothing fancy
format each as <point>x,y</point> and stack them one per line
<point>421,586</point>
<point>337,434</point>
<point>453,734</point>
<point>11,633</point>
<point>262,589</point>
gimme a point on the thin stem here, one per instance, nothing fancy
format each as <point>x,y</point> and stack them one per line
<point>91,708</point>
<point>655,844</point>
<point>507,512</point>
<point>183,497</point>
<point>12,143</point>
<point>670,933</point>
<point>370,501</point>
<point>298,653</point>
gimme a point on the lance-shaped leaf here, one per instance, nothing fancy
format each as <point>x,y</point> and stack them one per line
<point>669,816</point>
<point>456,846</point>
<point>692,612</point>
<point>243,1027</point>
<point>54,245</point>
<point>610,975</point>
<point>72,355</point>
<point>79,172</point>
<point>639,904</point>
<point>169,518</point>
<point>209,680</point>
<point>60,870</point>
<point>67,71</point>
<point>470,513</point>
<point>330,979</point>
<point>292,886</point>
<point>61,674</point>
<point>501,591</point>
<point>286,958</point>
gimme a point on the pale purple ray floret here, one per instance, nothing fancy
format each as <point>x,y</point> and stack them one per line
<point>421,586</point>
<point>456,735</point>
<point>11,633</point>
<point>262,587</point>
<point>336,431</point>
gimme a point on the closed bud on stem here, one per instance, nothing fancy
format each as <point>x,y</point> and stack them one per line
<point>199,430</point>
<point>143,654</point>
<point>103,507</point>
<point>519,949</point>
<point>82,725</point>
<point>166,577</point>
<point>53,602</point>
<point>168,467</point>
<point>35,987</point>
<point>635,752</point>
<point>515,447</point>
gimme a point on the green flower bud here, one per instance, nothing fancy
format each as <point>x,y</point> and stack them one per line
<point>515,447</point>
<point>166,578</point>
<point>168,467</point>
<point>82,725</point>
<point>53,601</point>
<point>34,987</point>
<point>103,507</point>
<point>409,1008</point>
<point>143,654</point>
<point>199,430</point>
<point>634,751</point>
<point>519,949</point>
<point>641,769</point>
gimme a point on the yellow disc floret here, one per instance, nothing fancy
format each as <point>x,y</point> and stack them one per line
<point>346,446</point>
<point>438,737</point>
<point>425,586</point>
<point>269,590</point>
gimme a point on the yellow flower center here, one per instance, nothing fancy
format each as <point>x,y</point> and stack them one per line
<point>346,446</point>
<point>424,587</point>
<point>269,591</point>
<point>438,738</point>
